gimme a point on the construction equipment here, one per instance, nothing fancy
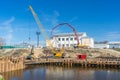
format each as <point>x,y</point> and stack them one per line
<point>57,53</point>
<point>78,45</point>
<point>31,55</point>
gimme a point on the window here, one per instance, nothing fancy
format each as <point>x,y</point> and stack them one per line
<point>59,45</point>
<point>75,38</point>
<point>67,45</point>
<point>59,39</point>
<point>71,38</point>
<point>63,45</point>
<point>67,39</point>
<point>63,39</point>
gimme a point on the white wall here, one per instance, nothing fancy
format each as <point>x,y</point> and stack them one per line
<point>88,41</point>
<point>68,43</point>
<point>114,45</point>
<point>101,46</point>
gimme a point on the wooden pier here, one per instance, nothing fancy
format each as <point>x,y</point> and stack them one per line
<point>9,63</point>
<point>108,63</point>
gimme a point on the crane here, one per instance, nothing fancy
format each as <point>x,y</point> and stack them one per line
<point>57,53</point>
<point>75,32</point>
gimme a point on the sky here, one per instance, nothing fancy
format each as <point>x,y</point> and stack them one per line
<point>100,19</point>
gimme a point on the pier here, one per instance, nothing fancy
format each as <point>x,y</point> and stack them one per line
<point>97,62</point>
<point>10,64</point>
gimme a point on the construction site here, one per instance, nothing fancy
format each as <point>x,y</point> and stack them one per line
<point>60,45</point>
<point>71,49</point>
<point>74,45</point>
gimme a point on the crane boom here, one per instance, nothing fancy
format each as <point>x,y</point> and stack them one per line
<point>57,53</point>
<point>41,27</point>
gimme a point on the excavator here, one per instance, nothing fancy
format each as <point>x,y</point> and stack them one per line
<point>56,52</point>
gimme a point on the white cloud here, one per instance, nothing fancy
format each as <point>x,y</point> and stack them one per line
<point>24,29</point>
<point>6,27</point>
<point>55,31</point>
<point>112,36</point>
<point>51,19</point>
<point>9,21</point>
<point>56,13</point>
<point>73,19</point>
<point>9,36</point>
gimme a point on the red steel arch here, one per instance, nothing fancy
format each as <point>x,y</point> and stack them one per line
<point>74,30</point>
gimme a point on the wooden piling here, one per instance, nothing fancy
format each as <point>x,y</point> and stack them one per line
<point>9,64</point>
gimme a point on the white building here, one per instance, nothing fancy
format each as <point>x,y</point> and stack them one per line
<point>107,45</point>
<point>114,44</point>
<point>69,39</point>
<point>101,46</point>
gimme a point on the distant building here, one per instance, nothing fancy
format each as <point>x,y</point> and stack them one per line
<point>114,44</point>
<point>101,46</point>
<point>69,40</point>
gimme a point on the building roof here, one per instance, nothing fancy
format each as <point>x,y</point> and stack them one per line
<point>69,34</point>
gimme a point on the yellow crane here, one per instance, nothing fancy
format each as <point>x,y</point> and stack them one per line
<point>57,53</point>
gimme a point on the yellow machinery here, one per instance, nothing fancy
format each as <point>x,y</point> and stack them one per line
<point>82,46</point>
<point>57,53</point>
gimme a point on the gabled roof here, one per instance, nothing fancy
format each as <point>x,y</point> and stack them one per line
<point>69,34</point>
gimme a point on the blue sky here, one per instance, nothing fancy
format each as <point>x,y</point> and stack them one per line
<point>100,19</point>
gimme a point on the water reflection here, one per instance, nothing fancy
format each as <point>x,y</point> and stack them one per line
<point>62,73</point>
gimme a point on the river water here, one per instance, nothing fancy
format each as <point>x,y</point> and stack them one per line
<point>62,73</point>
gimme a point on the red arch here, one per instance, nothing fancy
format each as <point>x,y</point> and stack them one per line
<point>74,30</point>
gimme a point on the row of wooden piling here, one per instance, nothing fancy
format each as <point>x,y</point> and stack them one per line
<point>75,62</point>
<point>10,63</point>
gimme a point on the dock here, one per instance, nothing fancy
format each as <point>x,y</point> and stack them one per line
<point>106,63</point>
<point>10,64</point>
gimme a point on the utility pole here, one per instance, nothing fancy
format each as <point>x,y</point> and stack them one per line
<point>37,33</point>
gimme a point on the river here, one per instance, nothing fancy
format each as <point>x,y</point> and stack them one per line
<point>62,73</point>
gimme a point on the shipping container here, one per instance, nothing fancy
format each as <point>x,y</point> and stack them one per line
<point>82,56</point>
